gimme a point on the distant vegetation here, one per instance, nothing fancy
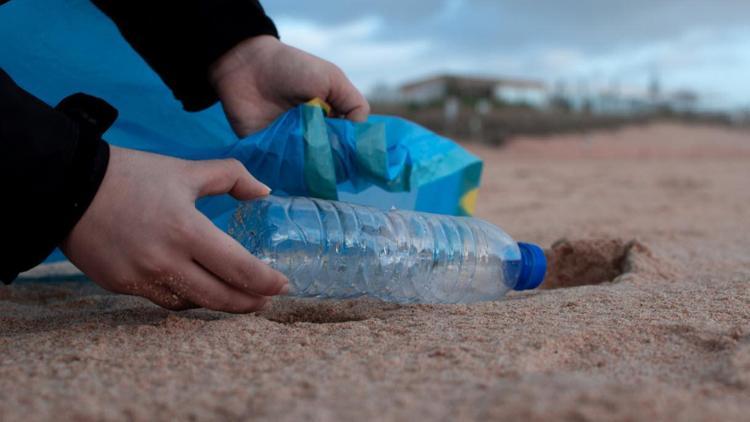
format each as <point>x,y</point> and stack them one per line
<point>500,122</point>
<point>493,110</point>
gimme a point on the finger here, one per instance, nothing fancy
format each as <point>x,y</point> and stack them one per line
<point>233,264</point>
<point>202,288</point>
<point>214,177</point>
<point>157,292</point>
<point>346,99</point>
<point>167,299</point>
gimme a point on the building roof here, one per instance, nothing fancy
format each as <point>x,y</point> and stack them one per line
<point>471,82</point>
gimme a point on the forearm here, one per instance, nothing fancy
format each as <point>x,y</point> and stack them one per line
<point>51,166</point>
<point>181,40</point>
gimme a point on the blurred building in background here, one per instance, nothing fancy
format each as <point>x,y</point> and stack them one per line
<point>509,92</point>
<point>522,93</point>
<point>471,88</point>
<point>494,109</point>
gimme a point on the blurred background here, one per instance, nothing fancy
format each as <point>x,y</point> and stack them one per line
<point>488,70</point>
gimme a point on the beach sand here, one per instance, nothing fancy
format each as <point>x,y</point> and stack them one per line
<point>645,315</point>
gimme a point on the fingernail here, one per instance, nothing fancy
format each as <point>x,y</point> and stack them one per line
<point>267,188</point>
<point>284,290</point>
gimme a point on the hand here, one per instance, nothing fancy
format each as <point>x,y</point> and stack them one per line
<point>262,77</point>
<point>142,235</point>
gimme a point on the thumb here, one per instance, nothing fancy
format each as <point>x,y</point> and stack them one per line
<point>214,177</point>
<point>346,99</point>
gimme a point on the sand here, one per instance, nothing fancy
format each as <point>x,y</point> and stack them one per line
<point>646,314</point>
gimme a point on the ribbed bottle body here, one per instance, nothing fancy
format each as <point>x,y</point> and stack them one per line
<point>332,249</point>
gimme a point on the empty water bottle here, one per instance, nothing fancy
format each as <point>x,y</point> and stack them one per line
<point>334,249</point>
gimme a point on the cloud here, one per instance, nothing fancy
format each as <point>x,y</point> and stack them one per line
<point>589,24</point>
<point>560,60</point>
<point>705,60</point>
<point>689,43</point>
<point>330,12</point>
<point>352,46</point>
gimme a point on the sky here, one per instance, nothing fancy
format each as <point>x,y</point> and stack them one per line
<point>586,45</point>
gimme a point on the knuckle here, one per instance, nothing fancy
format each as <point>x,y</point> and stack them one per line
<point>226,171</point>
<point>153,289</point>
<point>217,301</point>
<point>337,71</point>
<point>180,286</point>
<point>171,303</point>
<point>151,264</point>
<point>234,166</point>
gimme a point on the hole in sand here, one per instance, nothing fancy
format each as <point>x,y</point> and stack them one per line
<point>290,311</point>
<point>593,261</point>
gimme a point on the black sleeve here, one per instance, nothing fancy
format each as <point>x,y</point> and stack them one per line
<point>52,161</point>
<point>180,40</point>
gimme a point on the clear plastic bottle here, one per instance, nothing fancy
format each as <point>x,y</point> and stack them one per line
<point>339,250</point>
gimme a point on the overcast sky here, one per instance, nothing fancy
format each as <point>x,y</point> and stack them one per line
<point>703,45</point>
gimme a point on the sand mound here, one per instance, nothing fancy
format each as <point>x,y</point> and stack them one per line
<point>594,261</point>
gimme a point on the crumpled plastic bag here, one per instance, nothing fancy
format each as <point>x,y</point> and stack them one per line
<point>396,162</point>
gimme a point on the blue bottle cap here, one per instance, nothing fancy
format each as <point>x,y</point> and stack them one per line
<point>533,267</point>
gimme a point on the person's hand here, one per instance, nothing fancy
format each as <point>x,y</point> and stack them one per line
<point>142,235</point>
<point>262,77</point>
